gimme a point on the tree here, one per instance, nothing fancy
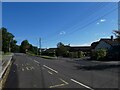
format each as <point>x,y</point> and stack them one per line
<point>32,49</point>
<point>62,50</point>
<point>13,46</point>
<point>24,46</point>
<point>8,42</point>
<point>117,34</point>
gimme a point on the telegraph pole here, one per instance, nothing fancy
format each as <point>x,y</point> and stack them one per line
<point>40,45</point>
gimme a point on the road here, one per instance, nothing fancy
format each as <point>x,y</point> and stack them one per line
<point>35,72</point>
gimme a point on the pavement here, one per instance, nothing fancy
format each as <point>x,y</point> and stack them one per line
<point>35,72</point>
<point>5,60</point>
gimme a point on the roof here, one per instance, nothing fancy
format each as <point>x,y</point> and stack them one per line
<point>110,42</point>
<point>94,44</point>
<point>80,48</point>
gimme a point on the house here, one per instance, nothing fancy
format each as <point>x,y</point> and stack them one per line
<point>106,43</point>
<point>111,45</point>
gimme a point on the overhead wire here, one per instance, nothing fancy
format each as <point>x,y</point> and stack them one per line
<point>88,24</point>
<point>76,22</point>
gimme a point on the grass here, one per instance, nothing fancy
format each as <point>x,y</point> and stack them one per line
<point>48,57</point>
<point>7,53</point>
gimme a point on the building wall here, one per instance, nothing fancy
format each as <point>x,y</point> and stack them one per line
<point>102,45</point>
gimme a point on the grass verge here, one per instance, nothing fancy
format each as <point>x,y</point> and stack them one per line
<point>48,57</point>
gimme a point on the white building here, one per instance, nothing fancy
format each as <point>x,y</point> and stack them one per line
<point>106,43</point>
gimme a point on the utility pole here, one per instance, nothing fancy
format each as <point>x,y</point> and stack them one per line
<point>40,45</point>
<point>37,46</point>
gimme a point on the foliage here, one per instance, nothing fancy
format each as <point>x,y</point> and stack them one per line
<point>80,54</point>
<point>73,54</point>
<point>24,46</point>
<point>117,34</point>
<point>100,54</point>
<point>62,50</point>
<point>8,41</point>
<point>32,49</point>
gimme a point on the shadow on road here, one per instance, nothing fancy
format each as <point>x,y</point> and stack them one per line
<point>12,80</point>
<point>97,67</point>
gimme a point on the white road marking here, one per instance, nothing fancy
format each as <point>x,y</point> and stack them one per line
<point>36,61</point>
<point>50,69</point>
<point>50,72</point>
<point>27,68</point>
<point>63,81</point>
<point>63,84</point>
<point>32,67</point>
<point>57,85</point>
<point>22,69</point>
<point>82,84</point>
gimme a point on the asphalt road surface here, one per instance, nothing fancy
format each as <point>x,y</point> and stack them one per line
<point>35,72</point>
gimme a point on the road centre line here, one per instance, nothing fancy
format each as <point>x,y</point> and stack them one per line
<point>50,69</point>
<point>82,84</point>
<point>36,61</point>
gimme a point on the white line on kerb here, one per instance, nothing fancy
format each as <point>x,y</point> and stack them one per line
<point>82,84</point>
<point>36,61</point>
<point>50,69</point>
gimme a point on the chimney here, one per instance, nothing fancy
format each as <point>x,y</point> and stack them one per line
<point>112,38</point>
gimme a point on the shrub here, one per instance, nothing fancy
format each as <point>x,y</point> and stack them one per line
<point>80,54</point>
<point>100,54</point>
<point>73,54</point>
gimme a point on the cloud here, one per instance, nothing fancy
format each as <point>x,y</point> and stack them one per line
<point>102,20</point>
<point>98,23</point>
<point>62,33</point>
<point>84,44</point>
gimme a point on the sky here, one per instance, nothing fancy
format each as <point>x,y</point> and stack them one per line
<point>74,23</point>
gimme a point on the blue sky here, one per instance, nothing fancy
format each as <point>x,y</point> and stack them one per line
<point>71,23</point>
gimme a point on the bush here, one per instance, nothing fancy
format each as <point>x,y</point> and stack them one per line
<point>73,54</point>
<point>99,54</point>
<point>80,54</point>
